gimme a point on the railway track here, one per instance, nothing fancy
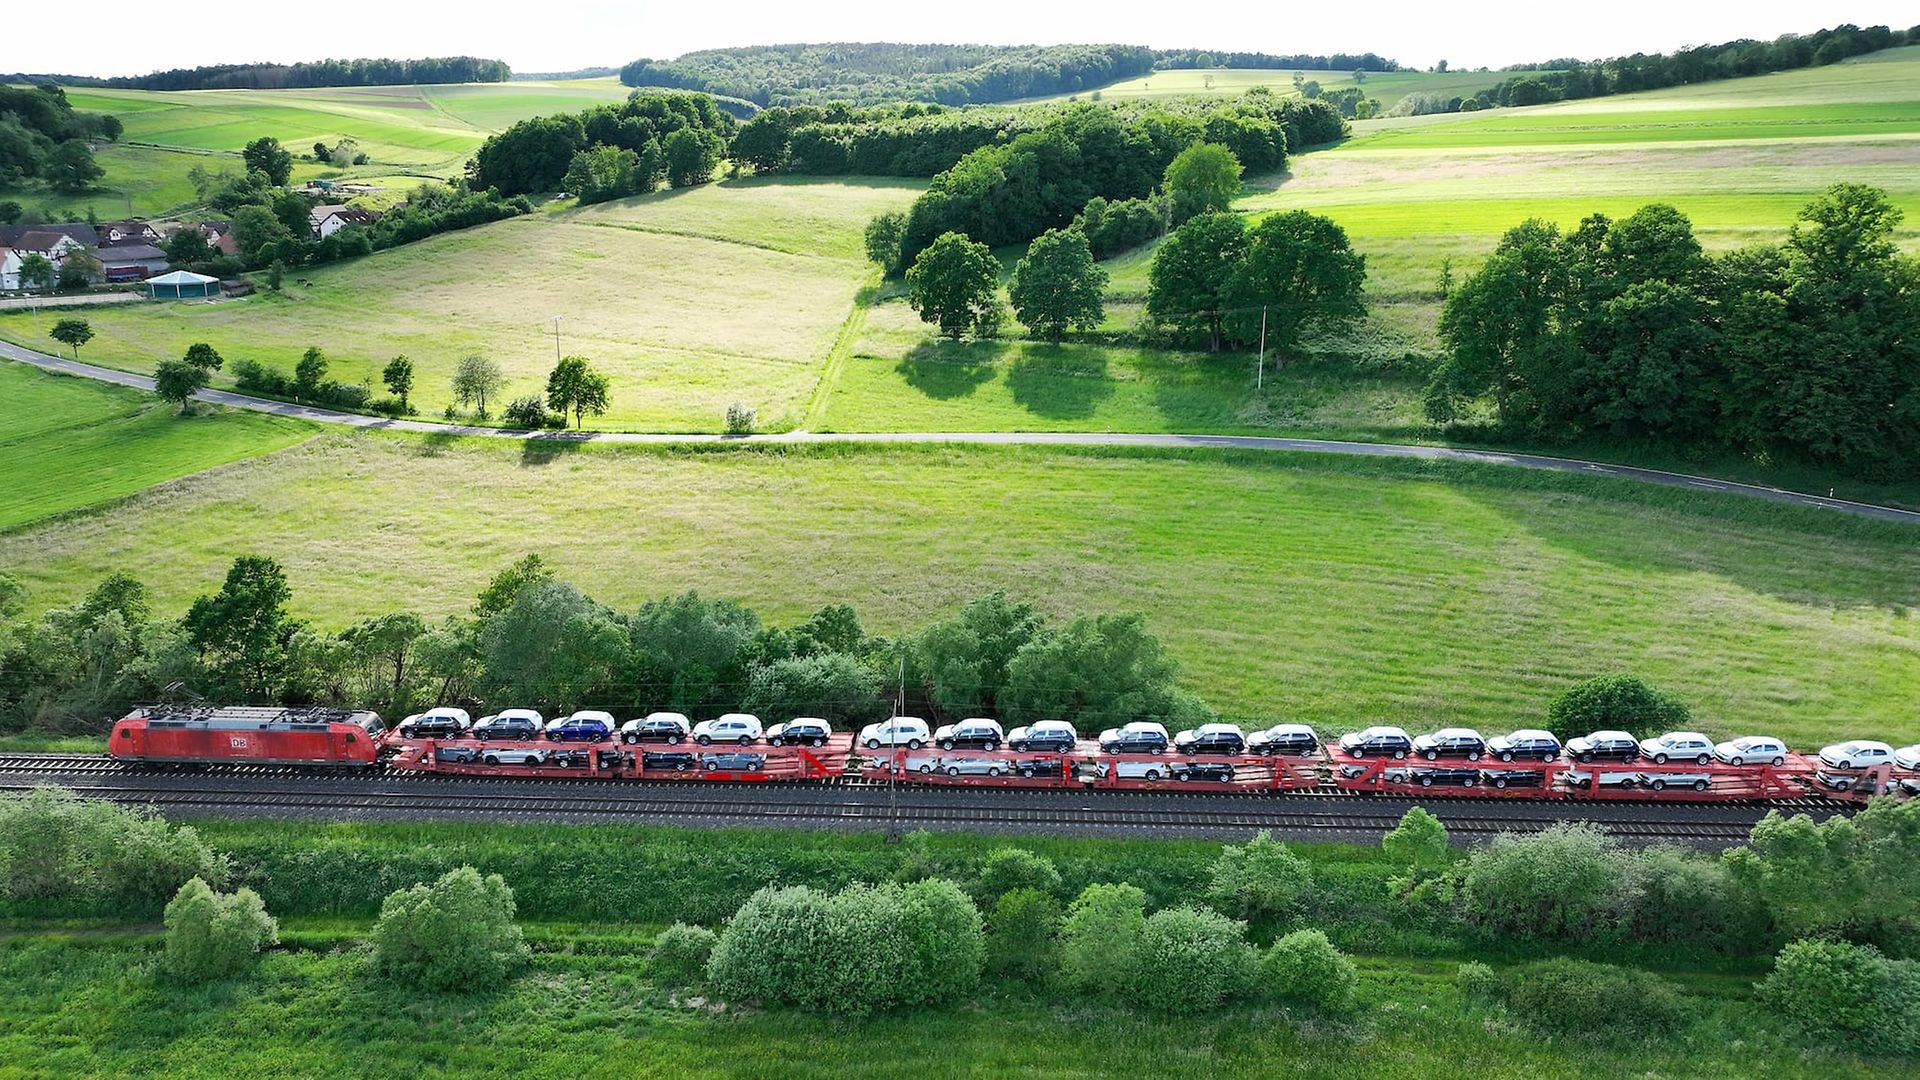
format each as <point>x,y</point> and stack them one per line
<point>262,791</point>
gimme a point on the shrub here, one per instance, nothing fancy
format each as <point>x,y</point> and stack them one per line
<point>1100,935</point>
<point>1123,224</point>
<point>1611,702</point>
<point>253,377</point>
<point>1260,877</point>
<point>681,952</point>
<point>1189,960</point>
<point>1010,868</point>
<point>1836,991</point>
<point>343,395</point>
<point>1022,942</point>
<point>525,412</point>
<point>1304,967</point>
<point>1576,997</point>
<point>1477,983</point>
<point>945,942</point>
<point>1681,897</point>
<point>214,935</point>
<point>771,947</point>
<point>863,949</point>
<point>740,418</point>
<point>455,934</point>
<point>56,846</point>
<point>1567,882</point>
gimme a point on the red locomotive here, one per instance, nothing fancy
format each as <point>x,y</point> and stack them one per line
<point>274,736</point>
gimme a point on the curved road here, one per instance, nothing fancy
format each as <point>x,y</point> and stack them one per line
<point>1047,438</point>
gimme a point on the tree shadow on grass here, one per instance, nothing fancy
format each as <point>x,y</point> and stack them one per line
<point>435,443</point>
<point>543,449</point>
<point>945,369</point>
<point>1060,382</point>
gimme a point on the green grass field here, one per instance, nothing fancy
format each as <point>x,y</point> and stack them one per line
<point>83,997</point>
<point>79,1004</point>
<point>1338,591</point>
<point>67,443</point>
<point>420,130</point>
<point>688,299</point>
<point>900,379</point>
<point>1740,157</point>
<point>1387,86</point>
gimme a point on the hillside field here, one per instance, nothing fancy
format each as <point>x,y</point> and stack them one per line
<point>67,443</point>
<point>1387,86</point>
<point>688,299</point>
<point>1337,591</point>
<point>417,130</point>
<point>1740,157</point>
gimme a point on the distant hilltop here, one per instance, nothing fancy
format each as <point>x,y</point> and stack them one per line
<point>270,76</point>
<point>870,72</point>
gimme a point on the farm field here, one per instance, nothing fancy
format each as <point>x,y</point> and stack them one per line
<point>140,181</point>
<point>1388,86</point>
<point>1413,194</point>
<point>67,443</point>
<point>1336,591</point>
<point>688,299</point>
<point>421,130</point>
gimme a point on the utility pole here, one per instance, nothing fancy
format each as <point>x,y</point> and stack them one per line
<point>556,339</point>
<point>1260,370</point>
<point>894,766</point>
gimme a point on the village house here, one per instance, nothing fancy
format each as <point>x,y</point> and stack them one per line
<point>331,218</point>
<point>115,233</point>
<point>55,242</point>
<point>79,232</point>
<point>131,262</point>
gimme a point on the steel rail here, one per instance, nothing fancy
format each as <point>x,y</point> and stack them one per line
<point>269,791</point>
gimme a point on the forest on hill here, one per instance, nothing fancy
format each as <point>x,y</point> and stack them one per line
<point>864,73</point>
<point>271,76</point>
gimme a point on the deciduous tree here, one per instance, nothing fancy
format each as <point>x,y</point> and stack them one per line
<point>964,659</point>
<point>1204,177</point>
<point>310,373</point>
<point>398,375</point>
<point>692,155</point>
<point>574,385</point>
<point>475,378</point>
<point>177,381</point>
<point>953,284</point>
<point>1188,285</point>
<point>243,633</point>
<point>72,333</point>
<point>36,271</point>
<point>1300,272</point>
<point>70,167</point>
<point>266,155</point>
<point>1057,284</point>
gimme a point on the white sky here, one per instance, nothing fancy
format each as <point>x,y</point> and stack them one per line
<point>132,37</point>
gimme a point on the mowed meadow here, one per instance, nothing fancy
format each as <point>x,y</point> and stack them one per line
<point>1337,591</point>
<point>689,300</point>
<point>67,443</point>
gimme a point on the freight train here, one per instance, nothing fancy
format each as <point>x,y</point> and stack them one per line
<point>978,752</point>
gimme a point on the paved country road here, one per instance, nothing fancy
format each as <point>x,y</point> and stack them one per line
<point>998,438</point>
